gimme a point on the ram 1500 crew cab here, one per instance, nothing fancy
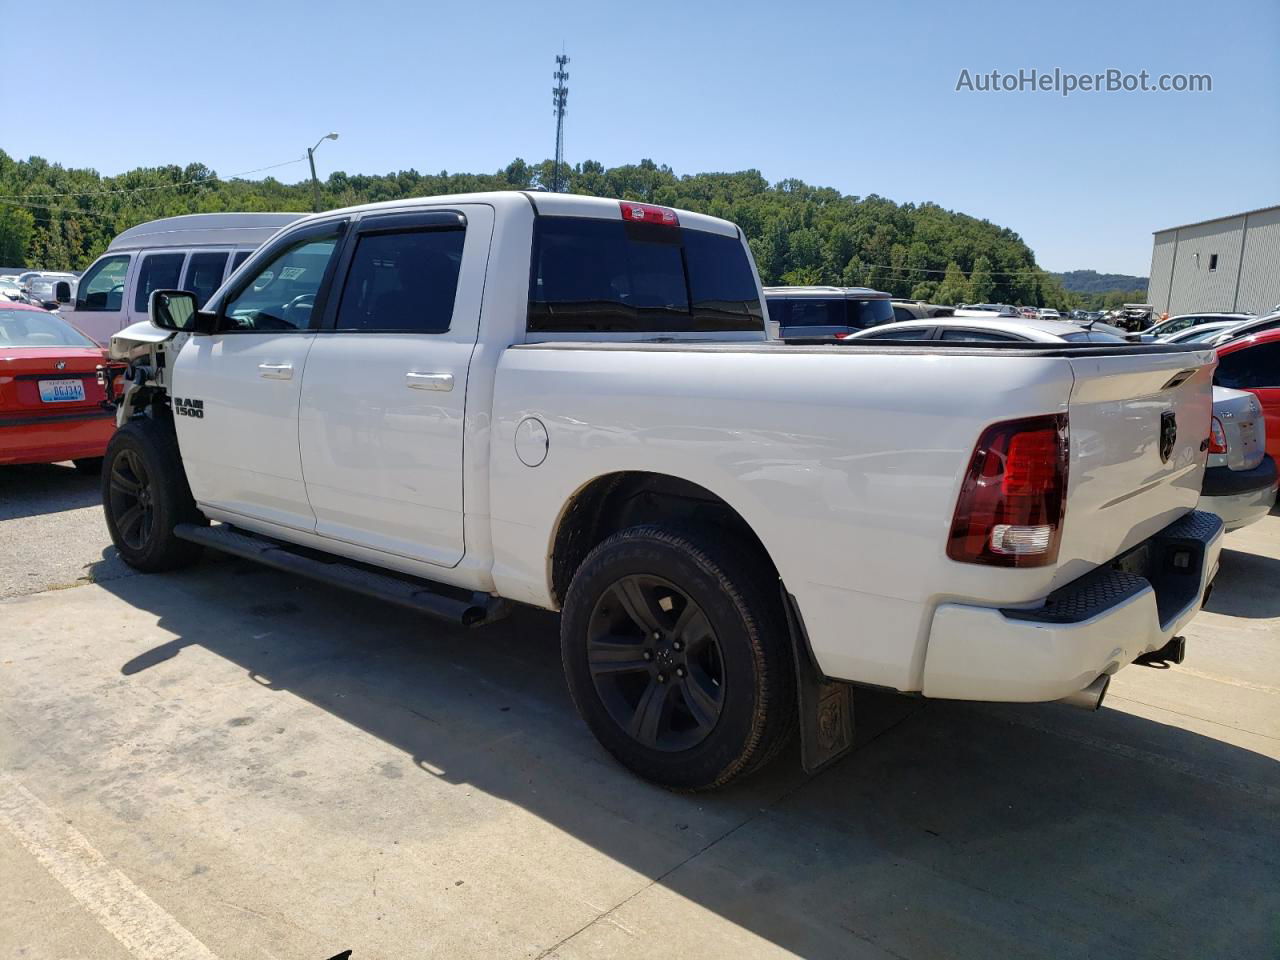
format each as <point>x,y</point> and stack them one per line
<point>460,402</point>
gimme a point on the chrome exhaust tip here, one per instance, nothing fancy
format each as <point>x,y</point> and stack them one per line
<point>1090,698</point>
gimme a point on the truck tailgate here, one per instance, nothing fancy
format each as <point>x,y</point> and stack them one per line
<point>1139,425</point>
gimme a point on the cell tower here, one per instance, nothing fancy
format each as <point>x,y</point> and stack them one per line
<point>559,95</point>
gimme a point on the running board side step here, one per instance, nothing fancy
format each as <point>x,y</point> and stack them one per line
<point>464,609</point>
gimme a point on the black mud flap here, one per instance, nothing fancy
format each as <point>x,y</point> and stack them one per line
<point>826,706</point>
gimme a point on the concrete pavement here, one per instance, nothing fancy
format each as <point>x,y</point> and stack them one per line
<point>271,769</point>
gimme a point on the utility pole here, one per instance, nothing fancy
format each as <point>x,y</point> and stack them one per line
<point>311,159</point>
<point>559,95</point>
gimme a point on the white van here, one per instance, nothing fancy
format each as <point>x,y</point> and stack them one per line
<point>194,252</point>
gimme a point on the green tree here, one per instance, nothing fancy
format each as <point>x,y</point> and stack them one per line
<point>16,228</point>
<point>797,231</point>
<point>982,286</point>
<point>924,290</point>
<point>954,287</point>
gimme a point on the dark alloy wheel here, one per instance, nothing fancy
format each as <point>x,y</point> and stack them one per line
<point>145,495</point>
<point>129,489</point>
<point>656,663</point>
<point>677,655</point>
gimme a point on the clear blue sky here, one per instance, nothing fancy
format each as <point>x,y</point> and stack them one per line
<point>857,96</point>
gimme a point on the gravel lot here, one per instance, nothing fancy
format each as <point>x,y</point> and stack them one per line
<point>229,762</point>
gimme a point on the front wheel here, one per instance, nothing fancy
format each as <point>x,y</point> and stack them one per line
<point>677,656</point>
<point>145,495</point>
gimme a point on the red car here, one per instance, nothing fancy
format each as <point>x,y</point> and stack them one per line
<point>51,404</point>
<point>1253,363</point>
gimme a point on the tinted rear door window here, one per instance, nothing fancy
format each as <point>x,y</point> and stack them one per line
<point>612,276</point>
<point>158,271</point>
<point>204,274</point>
<point>810,312</point>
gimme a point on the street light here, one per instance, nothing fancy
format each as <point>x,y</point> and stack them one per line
<point>315,184</point>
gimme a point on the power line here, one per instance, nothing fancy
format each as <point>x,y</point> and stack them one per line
<point>164,186</point>
<point>995,273</point>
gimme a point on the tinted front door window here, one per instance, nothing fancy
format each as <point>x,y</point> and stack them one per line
<point>282,293</point>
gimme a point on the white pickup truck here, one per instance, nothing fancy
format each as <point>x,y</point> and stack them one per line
<point>460,402</point>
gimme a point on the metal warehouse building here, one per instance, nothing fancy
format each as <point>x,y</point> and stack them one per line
<point>1231,264</point>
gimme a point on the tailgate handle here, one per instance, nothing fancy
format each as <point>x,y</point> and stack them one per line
<point>1179,378</point>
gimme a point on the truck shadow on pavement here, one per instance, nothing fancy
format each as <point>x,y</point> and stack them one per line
<point>1240,587</point>
<point>954,829</point>
<point>28,490</point>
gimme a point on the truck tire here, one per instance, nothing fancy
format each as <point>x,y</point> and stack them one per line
<point>677,656</point>
<point>145,495</point>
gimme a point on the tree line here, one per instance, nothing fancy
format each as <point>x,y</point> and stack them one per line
<point>59,218</point>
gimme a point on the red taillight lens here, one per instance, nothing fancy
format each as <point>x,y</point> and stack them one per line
<point>1217,437</point>
<point>1014,495</point>
<point>648,213</point>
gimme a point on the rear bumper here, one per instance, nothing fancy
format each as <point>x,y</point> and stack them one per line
<point>1239,497</point>
<point>1225,482</point>
<point>1090,627</point>
<point>49,439</point>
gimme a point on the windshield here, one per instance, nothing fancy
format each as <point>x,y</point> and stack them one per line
<point>35,328</point>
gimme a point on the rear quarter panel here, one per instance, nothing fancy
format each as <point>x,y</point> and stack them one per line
<point>846,465</point>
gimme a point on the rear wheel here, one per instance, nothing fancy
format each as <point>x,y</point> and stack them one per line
<point>676,654</point>
<point>145,495</point>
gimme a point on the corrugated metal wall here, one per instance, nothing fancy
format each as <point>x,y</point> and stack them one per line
<point>1245,277</point>
<point>1260,272</point>
<point>1195,286</point>
<point>1162,269</point>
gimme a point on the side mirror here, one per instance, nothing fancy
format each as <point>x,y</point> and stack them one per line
<point>177,310</point>
<point>62,291</point>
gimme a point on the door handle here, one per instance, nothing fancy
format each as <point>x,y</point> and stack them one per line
<point>429,381</point>
<point>276,371</point>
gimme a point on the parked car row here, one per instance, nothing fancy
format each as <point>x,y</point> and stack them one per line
<point>41,288</point>
<point>1240,482</point>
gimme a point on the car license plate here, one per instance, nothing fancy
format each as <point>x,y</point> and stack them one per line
<point>61,391</point>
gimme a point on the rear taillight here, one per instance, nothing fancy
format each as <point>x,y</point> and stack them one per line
<point>1014,495</point>
<point>1217,437</point>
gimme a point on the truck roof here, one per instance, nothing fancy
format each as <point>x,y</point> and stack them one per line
<point>545,204</point>
<point>204,229</point>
